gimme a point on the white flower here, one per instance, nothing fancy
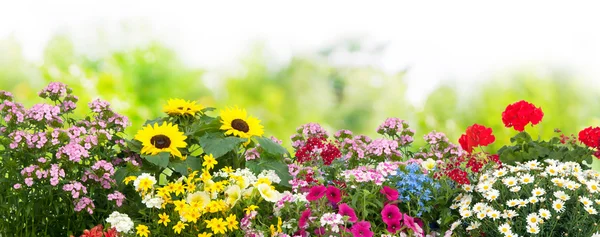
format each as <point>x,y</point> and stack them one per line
<point>561,195</point>
<point>558,206</point>
<point>591,210</point>
<point>481,215</point>
<point>515,189</point>
<point>479,207</point>
<point>333,220</point>
<point>484,187</point>
<point>512,202</point>
<point>533,200</point>
<point>466,213</point>
<point>511,235</point>
<point>527,179</point>
<point>121,222</point>
<point>585,201</point>
<point>592,186</point>
<point>504,228</point>
<point>499,173</point>
<point>572,185</point>
<point>492,195</point>
<point>532,165</point>
<point>559,182</point>
<point>455,224</point>
<point>544,213</point>
<point>152,202</point>
<point>552,170</point>
<point>538,192</point>
<point>271,175</point>
<point>533,229</point>
<point>508,214</point>
<point>509,181</point>
<point>268,193</point>
<point>428,164</point>
<point>494,214</point>
<point>473,225</point>
<point>467,187</point>
<point>597,234</point>
<point>523,202</point>
<point>533,219</point>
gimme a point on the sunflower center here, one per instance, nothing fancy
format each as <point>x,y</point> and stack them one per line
<point>240,125</point>
<point>160,141</point>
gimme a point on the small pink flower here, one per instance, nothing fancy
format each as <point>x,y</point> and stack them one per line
<point>17,186</point>
<point>316,193</point>
<point>29,182</point>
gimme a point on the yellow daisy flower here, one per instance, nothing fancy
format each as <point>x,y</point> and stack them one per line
<point>232,222</point>
<point>164,219</point>
<point>236,122</point>
<point>217,225</point>
<point>209,162</point>
<point>179,227</point>
<point>129,179</point>
<point>204,234</point>
<point>181,107</point>
<point>142,230</point>
<point>250,209</point>
<point>227,169</point>
<point>163,138</point>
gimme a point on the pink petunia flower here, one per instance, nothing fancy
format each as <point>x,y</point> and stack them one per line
<point>316,193</point>
<point>346,210</point>
<point>333,194</point>
<point>391,214</point>
<point>390,193</point>
<point>362,229</point>
<point>302,222</point>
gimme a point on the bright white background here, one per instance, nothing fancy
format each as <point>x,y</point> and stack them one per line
<point>436,40</point>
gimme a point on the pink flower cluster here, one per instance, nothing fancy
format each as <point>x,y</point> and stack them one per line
<point>76,189</point>
<point>84,203</point>
<point>74,152</point>
<point>117,196</point>
<point>14,112</point>
<point>353,147</point>
<point>307,131</point>
<point>364,174</point>
<point>54,91</point>
<point>36,140</point>
<point>398,129</point>
<point>384,147</point>
<point>103,172</point>
<point>49,114</point>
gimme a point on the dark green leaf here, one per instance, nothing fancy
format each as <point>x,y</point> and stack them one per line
<point>194,162</point>
<point>218,145</point>
<point>160,159</point>
<point>279,167</point>
<point>180,167</point>
<point>270,146</point>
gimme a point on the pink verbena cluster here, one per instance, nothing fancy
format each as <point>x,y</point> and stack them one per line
<point>376,175</point>
<point>398,129</point>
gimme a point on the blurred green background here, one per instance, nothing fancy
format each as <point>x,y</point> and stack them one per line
<point>308,88</point>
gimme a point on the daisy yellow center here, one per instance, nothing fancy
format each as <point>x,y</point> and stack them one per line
<point>160,141</point>
<point>240,125</point>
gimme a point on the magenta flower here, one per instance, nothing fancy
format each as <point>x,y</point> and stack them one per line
<point>391,214</point>
<point>333,194</point>
<point>346,210</point>
<point>316,193</point>
<point>302,222</point>
<point>320,231</point>
<point>362,229</point>
<point>409,222</point>
<point>394,227</point>
<point>390,193</point>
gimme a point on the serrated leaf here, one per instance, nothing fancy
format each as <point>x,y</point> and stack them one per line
<point>270,146</point>
<point>218,145</point>
<point>160,159</point>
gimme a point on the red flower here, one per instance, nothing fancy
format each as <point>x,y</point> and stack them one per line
<point>112,232</point>
<point>459,176</point>
<point>476,135</point>
<point>333,194</point>
<point>590,137</point>
<point>476,164</point>
<point>94,232</point>
<point>390,193</point>
<point>316,193</point>
<point>521,113</point>
<point>318,147</point>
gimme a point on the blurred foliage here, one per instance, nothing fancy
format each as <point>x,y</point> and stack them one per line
<point>308,88</point>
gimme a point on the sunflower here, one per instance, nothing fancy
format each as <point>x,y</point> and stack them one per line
<point>181,107</point>
<point>236,122</point>
<point>165,137</point>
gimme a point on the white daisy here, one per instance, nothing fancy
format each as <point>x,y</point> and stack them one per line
<point>561,195</point>
<point>585,201</point>
<point>533,200</point>
<point>492,195</point>
<point>504,228</point>
<point>511,235</point>
<point>597,234</point>
<point>533,219</point>
<point>592,186</point>
<point>591,210</point>
<point>479,207</point>
<point>544,213</point>
<point>512,202</point>
<point>499,173</point>
<point>527,179</point>
<point>467,187</point>
<point>481,215</point>
<point>509,181</point>
<point>533,229</point>
<point>515,189</point>
<point>494,214</point>
<point>538,192</point>
<point>473,225</point>
<point>508,214</point>
<point>558,206</point>
<point>466,213</point>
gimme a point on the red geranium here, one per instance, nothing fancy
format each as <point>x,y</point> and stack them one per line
<point>521,113</point>
<point>459,176</point>
<point>476,135</point>
<point>590,137</point>
<point>476,164</point>
<point>318,147</point>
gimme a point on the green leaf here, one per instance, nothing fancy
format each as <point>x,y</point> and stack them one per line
<point>218,145</point>
<point>134,145</point>
<point>270,146</point>
<point>120,174</point>
<point>160,159</point>
<point>153,121</point>
<point>194,163</point>
<point>180,167</point>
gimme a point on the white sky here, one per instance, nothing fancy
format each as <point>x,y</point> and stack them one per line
<point>436,40</point>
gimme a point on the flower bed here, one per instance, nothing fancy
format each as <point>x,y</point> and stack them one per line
<point>192,173</point>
